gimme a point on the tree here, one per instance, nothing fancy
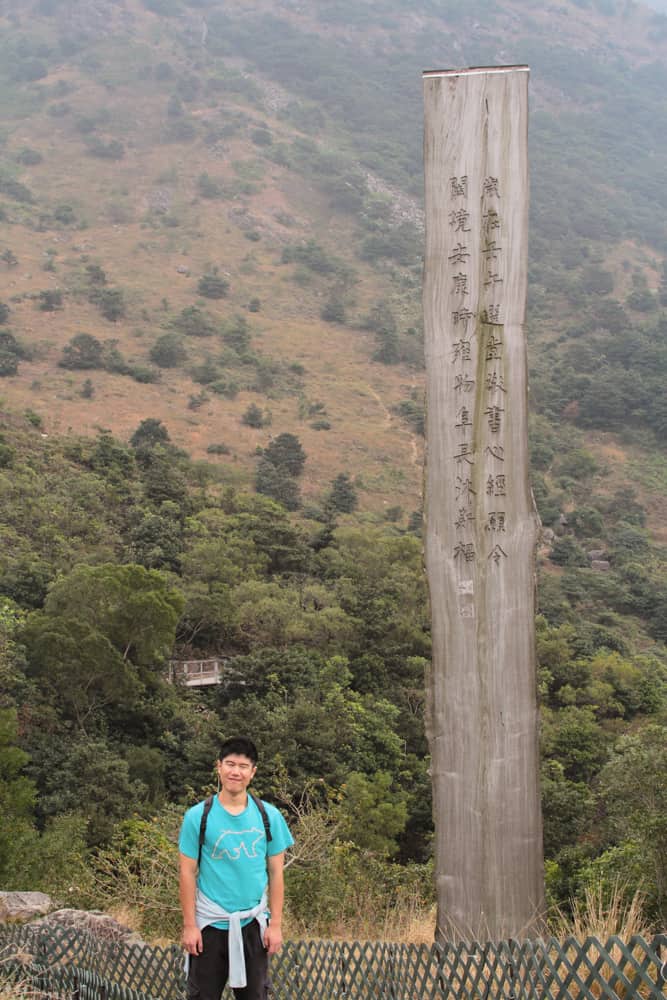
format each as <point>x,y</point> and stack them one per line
<point>95,274</point>
<point>155,541</point>
<point>193,322</point>
<point>111,150</point>
<point>17,793</point>
<point>374,812</point>
<point>636,801</point>
<point>9,363</point>
<point>77,669</point>
<point>213,285</point>
<point>168,351</point>
<point>253,416</point>
<point>50,300</point>
<point>110,302</point>
<point>286,453</point>
<point>343,495</point>
<point>388,349</point>
<point>82,352</point>
<point>150,433</point>
<point>134,608</point>
<point>90,777</point>
<point>207,187</point>
<point>237,334</point>
<point>333,310</point>
<point>278,484</point>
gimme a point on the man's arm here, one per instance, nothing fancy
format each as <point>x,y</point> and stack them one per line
<point>273,936</point>
<point>187,885</point>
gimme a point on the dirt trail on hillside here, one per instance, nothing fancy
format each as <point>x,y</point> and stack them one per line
<point>389,419</point>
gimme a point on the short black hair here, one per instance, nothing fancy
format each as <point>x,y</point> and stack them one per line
<point>240,745</point>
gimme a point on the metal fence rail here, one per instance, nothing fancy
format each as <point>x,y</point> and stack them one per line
<point>62,963</point>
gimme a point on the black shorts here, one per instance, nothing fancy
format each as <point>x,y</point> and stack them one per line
<point>209,971</point>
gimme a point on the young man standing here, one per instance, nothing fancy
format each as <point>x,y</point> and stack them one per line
<point>231,882</point>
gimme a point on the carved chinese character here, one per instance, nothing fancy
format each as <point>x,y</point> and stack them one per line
<point>495,451</point>
<point>458,187</point>
<point>490,187</point>
<point>494,348</point>
<point>465,550</point>
<point>491,249</point>
<point>497,553</point>
<point>495,521</point>
<point>462,316</point>
<point>461,283</point>
<point>492,279</point>
<point>494,415</point>
<point>463,383</point>
<point>459,254</point>
<point>495,486</point>
<point>463,418</point>
<point>490,221</point>
<point>459,219</point>
<point>464,517</point>
<point>464,489</point>
<point>495,381</point>
<point>465,454</point>
<point>491,315</point>
<point>462,350</point>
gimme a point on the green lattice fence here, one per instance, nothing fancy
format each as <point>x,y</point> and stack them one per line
<point>61,963</point>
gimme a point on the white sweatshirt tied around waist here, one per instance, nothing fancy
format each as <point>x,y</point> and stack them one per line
<point>207,912</point>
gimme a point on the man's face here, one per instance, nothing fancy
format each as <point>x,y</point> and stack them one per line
<point>236,771</point>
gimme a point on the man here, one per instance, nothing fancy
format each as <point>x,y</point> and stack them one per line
<point>230,886</point>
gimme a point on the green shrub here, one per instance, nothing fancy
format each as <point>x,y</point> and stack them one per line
<point>254,417</point>
<point>194,322</point>
<point>207,187</point>
<point>50,300</point>
<point>111,150</point>
<point>168,351</point>
<point>83,351</point>
<point>29,157</point>
<point>212,285</point>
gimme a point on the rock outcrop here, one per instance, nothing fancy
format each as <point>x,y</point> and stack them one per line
<point>20,907</point>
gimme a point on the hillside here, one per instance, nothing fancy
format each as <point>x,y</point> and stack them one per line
<point>161,141</point>
<point>211,278</point>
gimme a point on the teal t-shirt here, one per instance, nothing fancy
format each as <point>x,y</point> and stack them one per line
<point>232,870</point>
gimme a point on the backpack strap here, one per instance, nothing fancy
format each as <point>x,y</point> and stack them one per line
<point>265,819</point>
<point>204,820</point>
<point>202,826</point>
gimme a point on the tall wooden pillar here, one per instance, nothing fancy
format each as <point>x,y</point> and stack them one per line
<point>481,524</point>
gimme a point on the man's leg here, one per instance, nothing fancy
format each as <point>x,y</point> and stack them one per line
<point>256,965</point>
<point>208,971</point>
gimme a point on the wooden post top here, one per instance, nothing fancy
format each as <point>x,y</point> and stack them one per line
<point>472,70</point>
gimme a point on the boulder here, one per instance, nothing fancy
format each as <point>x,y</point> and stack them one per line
<point>596,554</point>
<point>601,565</point>
<point>20,907</point>
<point>93,921</point>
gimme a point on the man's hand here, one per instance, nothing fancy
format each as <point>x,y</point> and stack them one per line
<point>191,940</point>
<point>273,938</point>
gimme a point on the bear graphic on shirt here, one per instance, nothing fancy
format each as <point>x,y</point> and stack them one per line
<point>231,844</point>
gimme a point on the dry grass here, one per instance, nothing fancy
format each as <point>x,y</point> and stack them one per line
<point>603,916</point>
<point>411,923</point>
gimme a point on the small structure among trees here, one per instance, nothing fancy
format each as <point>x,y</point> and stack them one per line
<point>195,673</point>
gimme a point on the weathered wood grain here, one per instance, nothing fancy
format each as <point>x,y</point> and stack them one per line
<point>481,524</point>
